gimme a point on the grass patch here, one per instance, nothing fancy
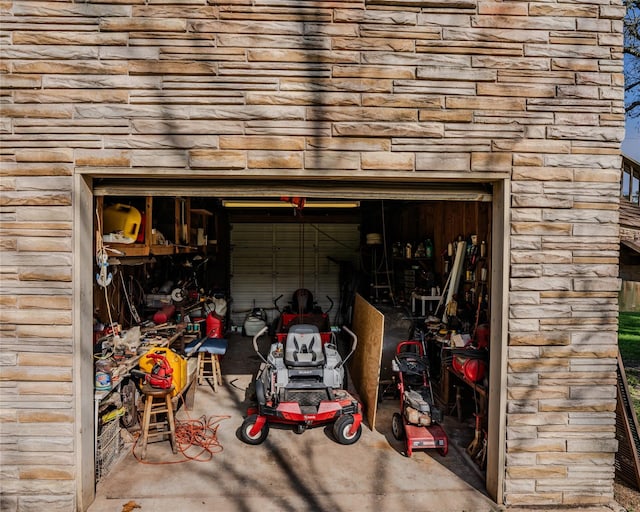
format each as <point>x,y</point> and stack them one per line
<point>629,336</point>
<point>629,343</point>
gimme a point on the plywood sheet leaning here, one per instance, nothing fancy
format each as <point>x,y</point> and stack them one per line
<point>368,325</point>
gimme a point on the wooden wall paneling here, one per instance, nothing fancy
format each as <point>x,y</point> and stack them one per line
<point>451,224</point>
<point>439,237</point>
<point>161,216</point>
<point>177,223</point>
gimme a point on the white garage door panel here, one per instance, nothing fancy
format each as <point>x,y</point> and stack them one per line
<point>266,262</point>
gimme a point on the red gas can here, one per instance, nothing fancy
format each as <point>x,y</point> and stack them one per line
<point>214,326</point>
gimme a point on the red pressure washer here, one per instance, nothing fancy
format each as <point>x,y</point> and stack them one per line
<point>161,375</point>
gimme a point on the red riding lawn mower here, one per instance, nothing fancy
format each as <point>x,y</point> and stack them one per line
<point>302,309</point>
<point>417,423</point>
<point>300,383</point>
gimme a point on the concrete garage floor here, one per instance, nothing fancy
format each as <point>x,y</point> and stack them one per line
<point>290,472</point>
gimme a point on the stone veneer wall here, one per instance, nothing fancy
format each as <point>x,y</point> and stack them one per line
<point>532,90</point>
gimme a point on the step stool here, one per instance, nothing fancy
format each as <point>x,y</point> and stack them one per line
<point>209,368</point>
<point>209,354</point>
<point>157,401</point>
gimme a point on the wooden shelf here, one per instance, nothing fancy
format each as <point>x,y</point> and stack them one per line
<point>185,223</point>
<point>128,249</point>
<point>202,212</point>
<point>133,249</point>
<point>199,227</point>
<point>162,249</point>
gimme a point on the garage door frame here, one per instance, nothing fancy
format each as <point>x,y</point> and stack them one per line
<point>470,187</point>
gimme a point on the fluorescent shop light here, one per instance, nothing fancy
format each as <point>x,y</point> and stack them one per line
<point>232,203</point>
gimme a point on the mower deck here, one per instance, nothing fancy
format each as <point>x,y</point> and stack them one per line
<point>309,408</point>
<point>424,438</point>
<point>306,399</point>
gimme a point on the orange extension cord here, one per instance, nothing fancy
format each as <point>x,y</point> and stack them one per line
<point>190,433</point>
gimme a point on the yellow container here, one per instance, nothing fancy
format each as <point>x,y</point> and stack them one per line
<point>176,361</point>
<point>122,218</point>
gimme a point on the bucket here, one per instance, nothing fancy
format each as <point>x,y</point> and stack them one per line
<point>253,325</point>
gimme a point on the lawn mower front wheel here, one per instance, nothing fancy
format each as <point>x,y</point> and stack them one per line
<point>397,426</point>
<point>342,427</point>
<point>247,426</point>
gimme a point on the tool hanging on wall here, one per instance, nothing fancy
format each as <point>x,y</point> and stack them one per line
<point>477,448</point>
<point>479,296</point>
<point>184,231</point>
<point>103,277</point>
<point>475,445</point>
<point>132,309</point>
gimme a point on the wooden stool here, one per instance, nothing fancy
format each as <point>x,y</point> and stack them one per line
<point>209,368</point>
<point>210,350</point>
<point>157,401</point>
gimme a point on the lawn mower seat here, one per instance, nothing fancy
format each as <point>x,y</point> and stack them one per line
<point>302,301</point>
<point>303,347</point>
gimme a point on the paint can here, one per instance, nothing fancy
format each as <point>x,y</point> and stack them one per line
<point>103,375</point>
<point>103,381</point>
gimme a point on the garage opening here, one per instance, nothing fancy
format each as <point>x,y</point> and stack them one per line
<point>170,259</point>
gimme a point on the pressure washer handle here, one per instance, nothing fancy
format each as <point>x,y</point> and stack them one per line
<point>255,342</point>
<point>156,357</point>
<point>353,345</point>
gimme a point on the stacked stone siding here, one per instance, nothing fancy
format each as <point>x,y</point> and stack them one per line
<point>449,89</point>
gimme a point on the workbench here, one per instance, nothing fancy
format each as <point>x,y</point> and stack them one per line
<point>125,366</point>
<point>450,385</point>
<point>123,372</point>
<point>450,378</point>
